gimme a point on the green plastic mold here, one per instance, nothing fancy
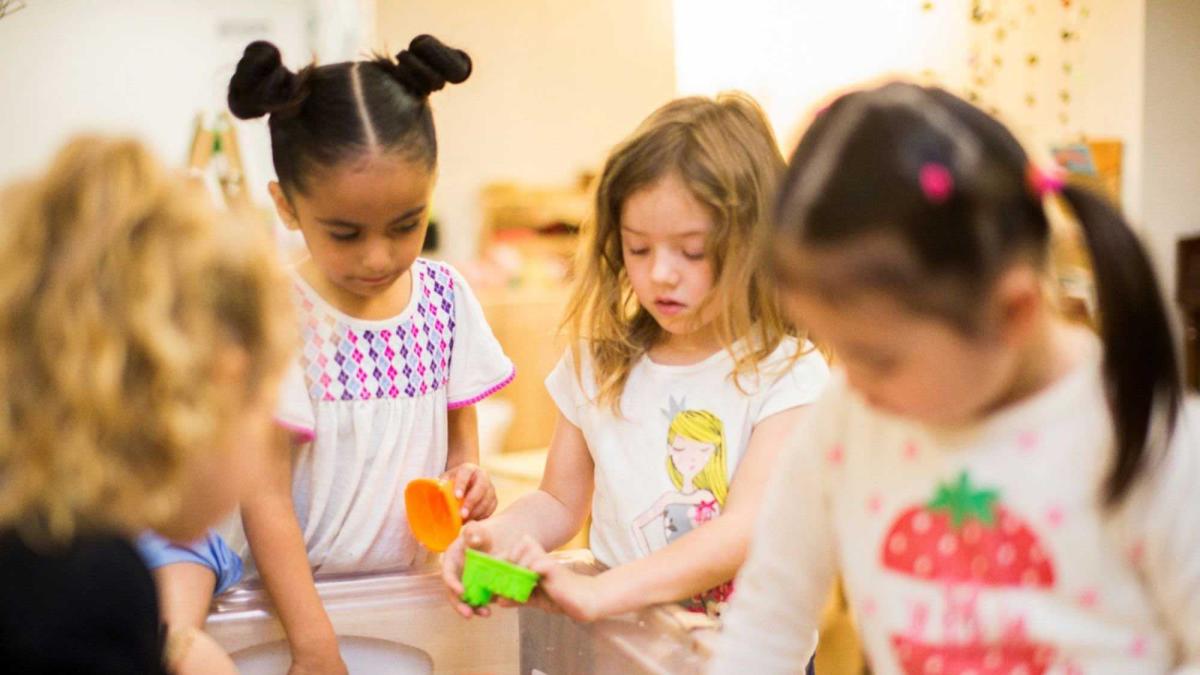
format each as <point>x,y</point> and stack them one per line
<point>484,576</point>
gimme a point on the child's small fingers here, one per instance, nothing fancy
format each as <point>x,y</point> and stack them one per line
<point>464,478</point>
<point>528,552</point>
<point>452,564</point>
<point>487,507</point>
<point>540,600</point>
<point>545,566</point>
<point>477,537</point>
<point>528,558</point>
<point>463,609</point>
<point>450,577</point>
<point>476,493</point>
<point>468,506</point>
<point>519,550</point>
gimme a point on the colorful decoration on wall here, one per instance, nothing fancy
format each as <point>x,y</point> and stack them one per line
<point>8,7</point>
<point>1026,45</point>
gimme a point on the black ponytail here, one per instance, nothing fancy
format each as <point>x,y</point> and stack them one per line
<point>858,171</point>
<point>1140,369</point>
<point>324,115</point>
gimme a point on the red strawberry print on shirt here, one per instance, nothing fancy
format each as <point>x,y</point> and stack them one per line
<point>966,540</point>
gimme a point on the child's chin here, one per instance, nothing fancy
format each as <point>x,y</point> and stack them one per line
<point>365,290</point>
<point>679,324</point>
<point>937,418</point>
<point>677,328</point>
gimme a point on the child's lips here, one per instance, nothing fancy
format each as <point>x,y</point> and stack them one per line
<point>668,306</point>
<point>376,281</point>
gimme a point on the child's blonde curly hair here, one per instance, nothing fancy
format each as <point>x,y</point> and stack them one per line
<point>121,289</point>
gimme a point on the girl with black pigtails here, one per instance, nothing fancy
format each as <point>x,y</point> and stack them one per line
<point>1001,491</point>
<point>395,354</point>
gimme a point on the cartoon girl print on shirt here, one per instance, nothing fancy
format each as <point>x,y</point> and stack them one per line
<point>696,466</point>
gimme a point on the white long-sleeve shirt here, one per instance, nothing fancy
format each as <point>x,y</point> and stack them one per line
<point>984,550</point>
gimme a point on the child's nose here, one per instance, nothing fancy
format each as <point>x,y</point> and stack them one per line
<point>378,257</point>
<point>663,269</point>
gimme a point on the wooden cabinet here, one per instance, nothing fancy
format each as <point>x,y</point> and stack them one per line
<point>525,322</point>
<point>1187,295</point>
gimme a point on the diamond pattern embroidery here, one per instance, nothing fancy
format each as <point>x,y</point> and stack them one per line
<point>411,358</point>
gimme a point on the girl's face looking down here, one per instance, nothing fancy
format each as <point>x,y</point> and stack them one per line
<point>664,233</point>
<point>364,223</point>
<point>922,366</point>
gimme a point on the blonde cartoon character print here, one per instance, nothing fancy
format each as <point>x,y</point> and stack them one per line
<point>696,465</point>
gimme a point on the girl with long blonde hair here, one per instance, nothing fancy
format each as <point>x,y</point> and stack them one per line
<point>674,329</point>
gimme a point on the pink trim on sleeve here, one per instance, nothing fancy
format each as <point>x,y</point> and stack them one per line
<point>453,405</point>
<point>300,433</point>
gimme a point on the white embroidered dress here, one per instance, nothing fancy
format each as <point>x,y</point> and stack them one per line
<point>369,401</point>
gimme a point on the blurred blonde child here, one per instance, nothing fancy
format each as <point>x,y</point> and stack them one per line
<point>142,338</point>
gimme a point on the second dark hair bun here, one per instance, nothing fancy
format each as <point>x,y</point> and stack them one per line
<point>427,65</point>
<point>262,84</point>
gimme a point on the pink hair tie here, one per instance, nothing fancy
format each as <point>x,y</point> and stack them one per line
<point>1045,182</point>
<point>936,182</point>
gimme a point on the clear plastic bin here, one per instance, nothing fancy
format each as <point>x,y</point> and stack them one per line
<point>402,623</point>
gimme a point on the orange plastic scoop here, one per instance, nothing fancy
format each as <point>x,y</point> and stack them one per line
<point>433,512</point>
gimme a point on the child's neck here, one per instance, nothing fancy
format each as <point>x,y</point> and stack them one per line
<point>683,350</point>
<point>385,305</point>
<point>1058,349</point>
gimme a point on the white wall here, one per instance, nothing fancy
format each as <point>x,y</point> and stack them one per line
<point>1171,173</point>
<point>142,67</point>
<point>791,54</point>
<point>556,84</point>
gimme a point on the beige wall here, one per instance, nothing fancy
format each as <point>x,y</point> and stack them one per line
<point>556,84</point>
<point>1171,175</point>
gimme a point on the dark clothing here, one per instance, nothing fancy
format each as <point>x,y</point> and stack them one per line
<point>86,607</point>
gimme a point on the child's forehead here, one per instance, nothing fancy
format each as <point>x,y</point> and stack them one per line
<point>665,208</point>
<point>365,191</point>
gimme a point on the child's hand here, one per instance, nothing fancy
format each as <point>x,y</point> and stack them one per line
<point>200,655</point>
<point>474,490</point>
<point>476,536</point>
<point>559,589</point>
<point>317,657</point>
<point>318,665</point>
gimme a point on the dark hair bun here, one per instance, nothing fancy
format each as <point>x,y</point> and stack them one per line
<point>427,65</point>
<point>262,84</point>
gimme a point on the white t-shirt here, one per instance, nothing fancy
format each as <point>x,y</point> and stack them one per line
<point>982,550</point>
<point>369,402</point>
<point>664,467</point>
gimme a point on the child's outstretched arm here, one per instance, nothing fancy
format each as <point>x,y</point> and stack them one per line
<point>696,562</point>
<point>472,485</point>
<point>278,546</point>
<point>551,515</point>
<point>771,625</point>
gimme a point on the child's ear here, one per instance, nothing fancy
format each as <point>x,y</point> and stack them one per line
<point>1019,301</point>
<point>283,207</point>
